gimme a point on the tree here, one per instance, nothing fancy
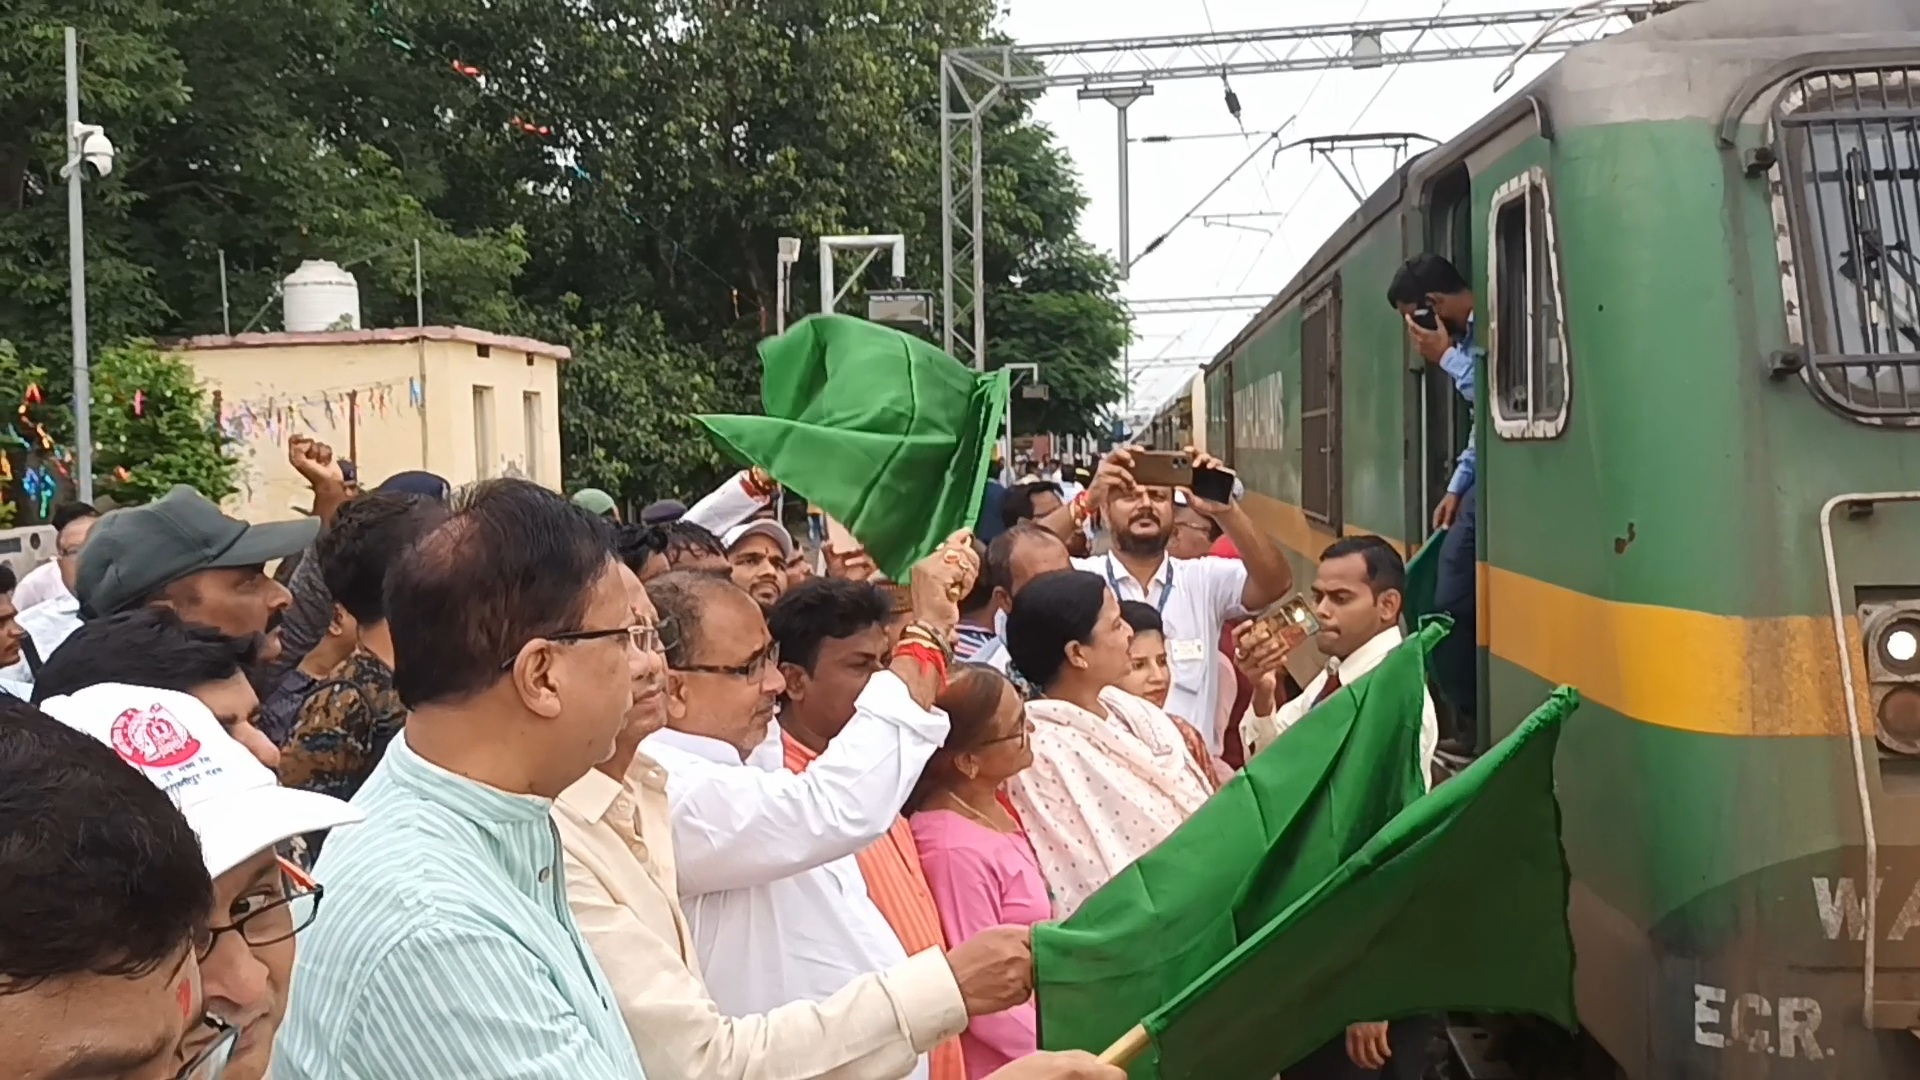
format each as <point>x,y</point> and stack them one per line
<point>611,177</point>
<point>646,388</point>
<point>154,427</point>
<point>1052,300</point>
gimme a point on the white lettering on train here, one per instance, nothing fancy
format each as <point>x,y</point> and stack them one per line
<point>1788,1026</point>
<point>1754,1036</point>
<point>1842,907</point>
<point>1908,918</point>
<point>1706,1002</point>
<point>1260,413</point>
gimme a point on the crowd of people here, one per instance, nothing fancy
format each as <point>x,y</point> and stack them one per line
<point>684,797</point>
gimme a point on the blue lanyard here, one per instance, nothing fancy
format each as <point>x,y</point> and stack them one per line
<point>1165,593</point>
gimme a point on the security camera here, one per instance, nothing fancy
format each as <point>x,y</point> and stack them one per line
<point>91,145</point>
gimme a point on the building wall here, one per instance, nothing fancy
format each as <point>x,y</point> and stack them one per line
<point>495,415</point>
<point>390,434</point>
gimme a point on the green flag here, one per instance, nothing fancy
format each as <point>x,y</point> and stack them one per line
<point>1294,816</point>
<point>1460,903</point>
<point>1423,580</point>
<point>890,436</point>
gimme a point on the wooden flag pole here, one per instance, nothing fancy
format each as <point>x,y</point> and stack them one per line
<point>1127,1047</point>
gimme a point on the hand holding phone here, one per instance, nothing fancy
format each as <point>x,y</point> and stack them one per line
<point>1291,620</point>
<point>1258,650</point>
<point>1430,338</point>
<point>1162,468</point>
<point>1213,485</point>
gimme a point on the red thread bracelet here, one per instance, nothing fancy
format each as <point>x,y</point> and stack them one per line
<point>927,656</point>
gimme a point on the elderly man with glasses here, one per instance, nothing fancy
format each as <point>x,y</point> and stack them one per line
<point>776,909</point>
<point>242,816</point>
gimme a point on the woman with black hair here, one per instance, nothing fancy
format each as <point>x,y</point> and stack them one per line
<point>1111,775</point>
<point>1152,677</point>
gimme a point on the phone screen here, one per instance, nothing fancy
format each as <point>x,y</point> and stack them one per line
<point>1426,319</point>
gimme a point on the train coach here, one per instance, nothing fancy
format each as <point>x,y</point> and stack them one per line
<point>1695,248</point>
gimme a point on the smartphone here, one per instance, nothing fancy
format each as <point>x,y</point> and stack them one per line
<point>1291,620</point>
<point>1213,485</point>
<point>1162,468</point>
<point>1426,319</point>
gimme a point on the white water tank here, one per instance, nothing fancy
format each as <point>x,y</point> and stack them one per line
<point>321,296</point>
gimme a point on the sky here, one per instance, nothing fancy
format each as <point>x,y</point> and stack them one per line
<point>1253,255</point>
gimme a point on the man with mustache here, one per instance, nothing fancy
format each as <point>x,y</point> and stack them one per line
<point>1196,598</point>
<point>180,551</point>
<point>759,552</point>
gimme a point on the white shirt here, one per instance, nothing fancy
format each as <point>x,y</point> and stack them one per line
<point>42,583</point>
<point>765,857</point>
<point>724,507</point>
<point>621,886</point>
<point>1205,595</point>
<point>48,625</point>
<point>1258,732</point>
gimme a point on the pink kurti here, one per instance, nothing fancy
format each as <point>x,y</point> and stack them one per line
<point>983,878</point>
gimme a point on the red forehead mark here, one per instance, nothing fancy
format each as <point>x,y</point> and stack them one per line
<point>183,995</point>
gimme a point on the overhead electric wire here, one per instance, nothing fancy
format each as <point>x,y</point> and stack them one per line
<point>1314,179</point>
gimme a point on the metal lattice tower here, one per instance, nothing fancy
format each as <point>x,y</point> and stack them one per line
<point>973,80</point>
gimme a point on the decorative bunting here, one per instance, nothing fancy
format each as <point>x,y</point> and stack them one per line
<point>39,485</point>
<point>276,417</point>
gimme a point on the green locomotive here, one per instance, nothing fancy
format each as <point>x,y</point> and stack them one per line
<point>1696,252</point>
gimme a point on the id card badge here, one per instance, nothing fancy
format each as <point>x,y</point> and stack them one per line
<point>1186,651</point>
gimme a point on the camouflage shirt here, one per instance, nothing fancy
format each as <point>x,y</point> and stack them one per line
<point>344,727</point>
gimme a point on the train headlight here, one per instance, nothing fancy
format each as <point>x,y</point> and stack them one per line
<point>1900,645</point>
<point>1892,636</point>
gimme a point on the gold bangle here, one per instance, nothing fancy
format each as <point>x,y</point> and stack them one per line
<point>927,635</point>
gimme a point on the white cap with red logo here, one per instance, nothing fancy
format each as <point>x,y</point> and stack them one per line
<point>234,803</point>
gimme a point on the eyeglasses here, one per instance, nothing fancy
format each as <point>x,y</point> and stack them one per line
<point>752,669</point>
<point>644,637</point>
<point>211,1063</point>
<point>277,921</point>
<point>1021,737</point>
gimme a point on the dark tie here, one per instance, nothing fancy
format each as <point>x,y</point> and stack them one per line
<point>1331,688</point>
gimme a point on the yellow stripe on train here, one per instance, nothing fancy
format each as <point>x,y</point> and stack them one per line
<point>1688,670</point>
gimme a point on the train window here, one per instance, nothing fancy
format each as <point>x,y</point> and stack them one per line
<point>1527,339</point>
<point>1320,407</point>
<point>1850,144</point>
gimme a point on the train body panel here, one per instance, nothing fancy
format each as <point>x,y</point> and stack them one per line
<point>1650,520</point>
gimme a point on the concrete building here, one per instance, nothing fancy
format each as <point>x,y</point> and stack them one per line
<point>464,403</point>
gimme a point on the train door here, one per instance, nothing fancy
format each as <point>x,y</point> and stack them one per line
<point>1445,418</point>
<point>1442,420</point>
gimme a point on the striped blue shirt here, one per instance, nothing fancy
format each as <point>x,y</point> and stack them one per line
<point>444,945</point>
